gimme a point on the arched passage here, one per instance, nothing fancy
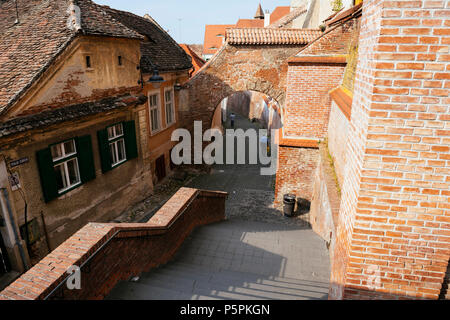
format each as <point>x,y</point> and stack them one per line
<point>236,68</point>
<point>255,106</point>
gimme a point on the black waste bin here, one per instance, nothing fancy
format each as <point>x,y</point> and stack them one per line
<point>289,204</point>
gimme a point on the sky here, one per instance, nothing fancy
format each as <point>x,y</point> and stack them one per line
<point>186,19</point>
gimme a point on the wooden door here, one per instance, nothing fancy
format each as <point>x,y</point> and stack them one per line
<point>161,168</point>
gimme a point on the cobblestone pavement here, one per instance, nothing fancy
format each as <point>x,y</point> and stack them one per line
<point>143,211</point>
<point>251,195</point>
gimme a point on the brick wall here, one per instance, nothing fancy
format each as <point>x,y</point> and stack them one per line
<point>109,253</point>
<point>337,136</point>
<point>295,173</point>
<point>307,101</point>
<point>236,68</point>
<point>393,234</point>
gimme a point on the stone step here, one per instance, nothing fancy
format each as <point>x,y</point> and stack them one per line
<point>136,291</point>
<point>251,290</point>
<point>140,291</point>
<point>188,280</point>
<point>195,268</point>
<point>229,277</point>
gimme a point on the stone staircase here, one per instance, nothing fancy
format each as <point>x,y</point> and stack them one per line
<point>238,260</point>
<point>180,281</point>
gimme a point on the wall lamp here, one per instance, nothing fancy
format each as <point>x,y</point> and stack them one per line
<point>156,80</point>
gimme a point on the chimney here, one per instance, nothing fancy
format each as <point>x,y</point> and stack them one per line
<point>267,18</point>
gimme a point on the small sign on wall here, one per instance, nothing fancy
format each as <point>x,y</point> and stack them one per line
<point>14,181</point>
<point>19,162</point>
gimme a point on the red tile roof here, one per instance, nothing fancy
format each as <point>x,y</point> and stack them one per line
<point>288,18</point>
<point>197,62</point>
<point>29,47</point>
<point>279,13</point>
<point>213,40</point>
<point>272,36</point>
<point>250,23</point>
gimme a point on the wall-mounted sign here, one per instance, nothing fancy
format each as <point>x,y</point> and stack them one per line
<point>14,181</point>
<point>19,162</point>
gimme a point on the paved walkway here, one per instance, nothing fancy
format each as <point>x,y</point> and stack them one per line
<point>256,254</point>
<point>239,260</point>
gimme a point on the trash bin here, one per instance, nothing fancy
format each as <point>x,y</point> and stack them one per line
<point>289,204</point>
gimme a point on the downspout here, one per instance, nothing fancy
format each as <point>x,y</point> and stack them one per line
<point>13,227</point>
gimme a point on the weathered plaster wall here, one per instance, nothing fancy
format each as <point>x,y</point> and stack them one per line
<point>69,80</point>
<point>159,143</point>
<point>98,200</point>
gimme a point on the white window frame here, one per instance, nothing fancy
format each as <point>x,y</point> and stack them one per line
<point>114,143</point>
<point>64,160</point>
<point>174,116</point>
<point>158,108</point>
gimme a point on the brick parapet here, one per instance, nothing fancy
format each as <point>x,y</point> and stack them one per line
<point>109,253</point>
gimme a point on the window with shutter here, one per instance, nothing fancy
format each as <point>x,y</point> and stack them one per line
<point>117,145</point>
<point>130,140</point>
<point>65,166</point>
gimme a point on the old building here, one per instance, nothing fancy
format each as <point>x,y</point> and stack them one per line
<point>168,66</point>
<point>79,141</point>
<point>365,138</point>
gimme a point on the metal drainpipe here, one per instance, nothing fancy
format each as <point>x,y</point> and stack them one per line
<point>13,225</point>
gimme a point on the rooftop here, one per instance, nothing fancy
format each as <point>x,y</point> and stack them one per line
<point>46,29</point>
<point>158,49</point>
<point>271,36</point>
<point>28,48</point>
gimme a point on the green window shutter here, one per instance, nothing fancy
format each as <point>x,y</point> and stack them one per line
<point>130,140</point>
<point>103,147</point>
<point>47,174</point>
<point>85,158</point>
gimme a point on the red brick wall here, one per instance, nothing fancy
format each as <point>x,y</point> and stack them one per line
<point>124,250</point>
<point>395,213</point>
<point>236,68</point>
<point>307,100</point>
<point>295,173</point>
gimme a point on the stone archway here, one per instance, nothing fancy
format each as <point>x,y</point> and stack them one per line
<point>255,106</point>
<point>237,67</point>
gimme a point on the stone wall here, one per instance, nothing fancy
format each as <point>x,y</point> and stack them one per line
<point>109,253</point>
